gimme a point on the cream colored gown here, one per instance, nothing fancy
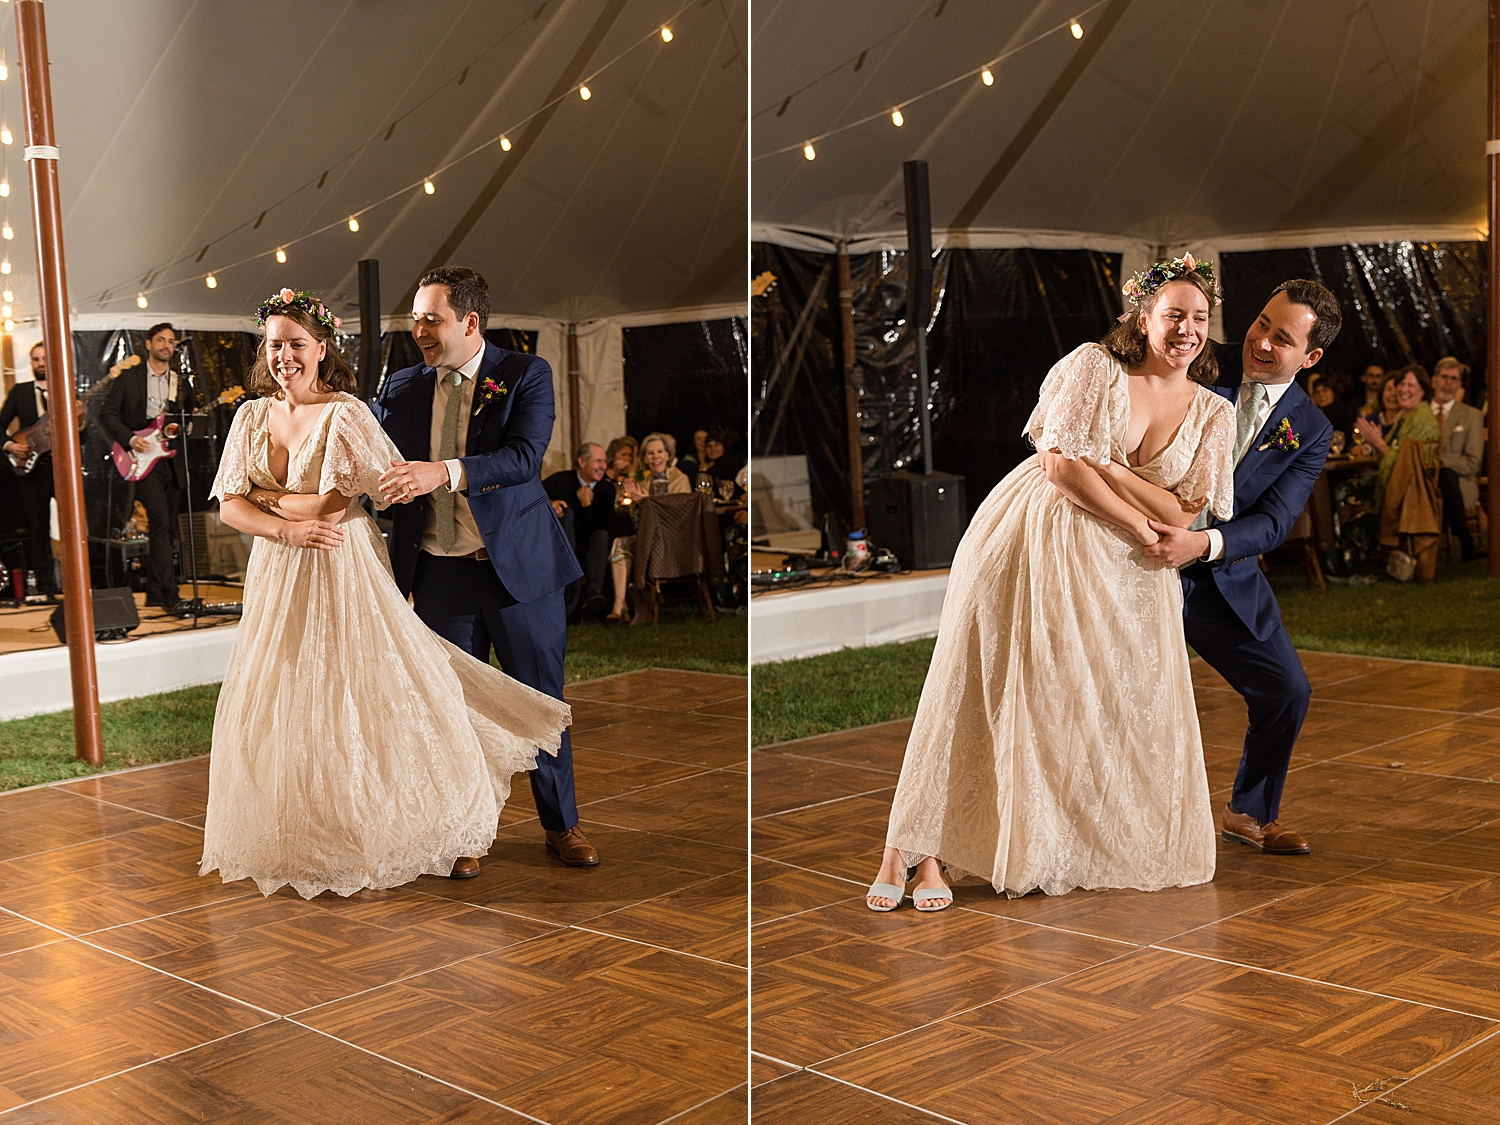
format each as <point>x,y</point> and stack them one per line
<point>353,748</point>
<point>1056,744</point>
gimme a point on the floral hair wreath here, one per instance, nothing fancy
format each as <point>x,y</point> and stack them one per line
<point>302,299</point>
<point>1143,284</point>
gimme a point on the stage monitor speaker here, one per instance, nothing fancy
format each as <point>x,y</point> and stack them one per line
<point>921,517</point>
<point>114,615</point>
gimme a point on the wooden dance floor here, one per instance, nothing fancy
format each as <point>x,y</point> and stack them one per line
<point>1290,990</point>
<point>131,990</point>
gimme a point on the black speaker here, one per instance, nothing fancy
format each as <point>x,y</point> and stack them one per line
<point>921,517</point>
<point>114,615</point>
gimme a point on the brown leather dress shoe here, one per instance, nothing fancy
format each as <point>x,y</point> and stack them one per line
<point>572,847</point>
<point>1270,837</point>
<point>465,867</point>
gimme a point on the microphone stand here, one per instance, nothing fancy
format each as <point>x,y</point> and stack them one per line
<point>194,607</point>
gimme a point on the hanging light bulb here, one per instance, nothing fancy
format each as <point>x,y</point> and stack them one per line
<point>4,70</point>
<point>504,144</point>
<point>281,254</point>
<point>585,93</point>
<point>4,189</point>
<point>140,300</point>
<point>5,311</point>
<point>5,265</point>
<point>896,119</point>
<point>353,223</point>
<point>986,77</point>
<point>1076,28</point>
<point>428,187</point>
<point>809,152</point>
<point>211,281</point>
<point>666,35</point>
<point>10,326</point>
<point>9,296</point>
<point>5,136</point>
<point>6,231</point>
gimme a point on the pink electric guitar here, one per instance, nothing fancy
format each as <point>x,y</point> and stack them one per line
<point>133,466</point>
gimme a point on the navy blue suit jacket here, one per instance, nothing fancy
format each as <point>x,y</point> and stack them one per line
<point>503,460</point>
<point>1271,487</point>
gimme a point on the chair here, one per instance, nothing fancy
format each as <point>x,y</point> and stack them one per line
<point>1303,533</point>
<point>1411,510</point>
<point>677,539</point>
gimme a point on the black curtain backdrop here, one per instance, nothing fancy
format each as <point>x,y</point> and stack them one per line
<point>1001,319</point>
<point>685,377</point>
<point>1403,302</point>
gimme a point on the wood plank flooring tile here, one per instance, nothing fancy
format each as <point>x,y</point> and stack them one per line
<point>736,707</point>
<point>913,1066</point>
<point>174,789</point>
<point>708,919</point>
<point>17,933</point>
<point>285,954</point>
<point>705,806</point>
<point>784,782</point>
<point>598,774</point>
<point>845,838</point>
<point>572,1027</point>
<point>70,1014</point>
<point>1173,1109</point>
<point>1468,747</point>
<point>1038,1092</point>
<point>709,741</point>
<point>804,1097</point>
<point>1285,1084</point>
<point>1441,687</point>
<point>777,890</point>
<point>730,1108</point>
<point>879,747</point>
<point>38,820</point>
<point>763,1070</point>
<point>137,874</point>
<point>1325,668</point>
<point>660,688</point>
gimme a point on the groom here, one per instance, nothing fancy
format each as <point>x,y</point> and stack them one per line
<point>482,556</point>
<point>1230,614</point>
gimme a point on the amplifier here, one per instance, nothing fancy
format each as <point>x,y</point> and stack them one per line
<point>114,615</point>
<point>920,517</point>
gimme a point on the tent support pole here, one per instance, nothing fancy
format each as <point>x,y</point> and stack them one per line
<point>52,281</point>
<point>575,411</point>
<point>1492,312</point>
<point>851,391</point>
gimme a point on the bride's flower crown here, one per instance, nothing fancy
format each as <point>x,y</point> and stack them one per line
<point>301,299</point>
<point>1143,284</point>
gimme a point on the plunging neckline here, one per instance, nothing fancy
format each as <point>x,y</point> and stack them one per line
<point>301,445</point>
<point>1176,433</point>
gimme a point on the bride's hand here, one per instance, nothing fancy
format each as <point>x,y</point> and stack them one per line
<point>313,535</point>
<point>1144,533</point>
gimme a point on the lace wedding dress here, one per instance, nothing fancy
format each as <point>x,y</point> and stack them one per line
<point>353,747</point>
<point>1056,744</point>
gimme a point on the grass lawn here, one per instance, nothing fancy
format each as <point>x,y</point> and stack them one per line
<point>1455,619</point>
<point>179,724</point>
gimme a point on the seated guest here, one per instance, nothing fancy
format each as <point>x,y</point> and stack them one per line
<point>691,462</point>
<point>584,500</point>
<point>657,478</point>
<point>1414,422</point>
<point>1390,407</point>
<point>1373,379</point>
<point>1326,393</point>
<point>722,451</point>
<point>1462,451</point>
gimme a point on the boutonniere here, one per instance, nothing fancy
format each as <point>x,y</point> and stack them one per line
<point>1284,437</point>
<point>489,390</point>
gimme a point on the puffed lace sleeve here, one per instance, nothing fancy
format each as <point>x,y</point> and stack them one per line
<point>1211,474</point>
<point>358,451</point>
<point>1072,413</point>
<point>233,478</point>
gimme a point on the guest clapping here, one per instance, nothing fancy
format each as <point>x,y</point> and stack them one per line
<point>1414,422</point>
<point>658,477</point>
<point>1462,451</point>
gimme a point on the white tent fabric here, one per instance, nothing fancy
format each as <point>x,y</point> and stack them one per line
<point>1217,124</point>
<point>184,124</point>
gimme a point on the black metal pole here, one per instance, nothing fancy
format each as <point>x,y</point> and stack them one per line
<point>919,288</point>
<point>369,328</point>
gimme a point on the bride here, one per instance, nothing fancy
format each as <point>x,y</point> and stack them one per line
<point>1056,744</point>
<point>353,748</point>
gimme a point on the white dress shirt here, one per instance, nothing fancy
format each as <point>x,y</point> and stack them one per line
<point>467,540</point>
<point>1274,391</point>
<point>159,391</point>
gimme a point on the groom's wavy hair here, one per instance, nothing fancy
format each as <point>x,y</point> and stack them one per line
<point>1127,342</point>
<point>334,372</point>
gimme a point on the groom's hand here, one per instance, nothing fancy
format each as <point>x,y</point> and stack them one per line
<point>406,480</point>
<point>1177,546</point>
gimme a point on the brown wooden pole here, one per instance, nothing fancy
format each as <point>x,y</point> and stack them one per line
<point>1492,314</point>
<point>851,391</point>
<point>52,284</point>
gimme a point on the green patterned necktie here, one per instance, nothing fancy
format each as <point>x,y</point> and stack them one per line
<point>1251,396</point>
<point>442,499</point>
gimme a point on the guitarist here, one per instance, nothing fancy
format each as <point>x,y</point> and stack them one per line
<point>26,403</point>
<point>139,396</point>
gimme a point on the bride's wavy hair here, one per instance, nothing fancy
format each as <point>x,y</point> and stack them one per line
<point>1126,341</point>
<point>334,372</point>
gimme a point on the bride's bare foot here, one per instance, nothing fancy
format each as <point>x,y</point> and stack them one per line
<point>893,872</point>
<point>930,878</point>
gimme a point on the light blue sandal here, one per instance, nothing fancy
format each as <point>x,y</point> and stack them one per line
<point>932,894</point>
<point>884,890</point>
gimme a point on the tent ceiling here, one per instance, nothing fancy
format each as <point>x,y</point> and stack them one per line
<point>1246,121</point>
<point>181,121</point>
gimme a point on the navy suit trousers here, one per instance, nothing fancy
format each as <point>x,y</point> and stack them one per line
<point>1268,674</point>
<point>464,601</point>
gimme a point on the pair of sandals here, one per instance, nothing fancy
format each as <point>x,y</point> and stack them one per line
<point>918,897</point>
